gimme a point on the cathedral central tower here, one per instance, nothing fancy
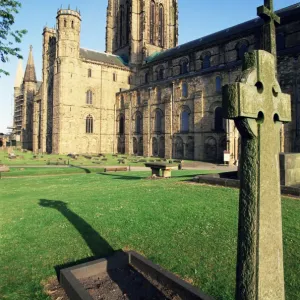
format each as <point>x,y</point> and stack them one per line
<point>136,29</point>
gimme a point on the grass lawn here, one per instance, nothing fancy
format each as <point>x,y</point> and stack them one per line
<point>28,171</point>
<point>188,229</point>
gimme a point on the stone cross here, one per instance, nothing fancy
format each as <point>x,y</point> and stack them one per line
<point>258,107</point>
<point>266,12</point>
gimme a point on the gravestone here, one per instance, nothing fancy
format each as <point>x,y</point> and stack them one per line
<point>289,169</point>
<point>258,107</point>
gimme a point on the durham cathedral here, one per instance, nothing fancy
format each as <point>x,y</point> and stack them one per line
<point>146,95</point>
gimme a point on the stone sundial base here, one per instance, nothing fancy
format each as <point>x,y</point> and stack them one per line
<point>125,275</point>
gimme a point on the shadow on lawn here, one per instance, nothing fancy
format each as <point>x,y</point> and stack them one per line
<point>122,177</point>
<point>185,177</point>
<point>85,169</point>
<point>98,245</point>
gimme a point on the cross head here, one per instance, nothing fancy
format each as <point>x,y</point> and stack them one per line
<point>266,12</point>
<point>258,96</point>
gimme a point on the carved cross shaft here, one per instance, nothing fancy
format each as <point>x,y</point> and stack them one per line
<point>258,108</point>
<point>266,12</point>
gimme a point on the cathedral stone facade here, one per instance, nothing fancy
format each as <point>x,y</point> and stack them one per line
<point>146,95</point>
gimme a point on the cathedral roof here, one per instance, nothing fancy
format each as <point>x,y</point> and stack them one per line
<point>30,69</point>
<point>216,37</point>
<point>102,57</point>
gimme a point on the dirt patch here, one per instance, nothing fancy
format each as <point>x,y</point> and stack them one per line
<point>127,283</point>
<point>53,289</point>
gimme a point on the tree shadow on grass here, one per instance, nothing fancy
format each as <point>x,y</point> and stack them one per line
<point>97,244</point>
<point>100,248</point>
<point>122,177</point>
<point>85,169</point>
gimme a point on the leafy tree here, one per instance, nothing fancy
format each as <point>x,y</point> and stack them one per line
<point>9,37</point>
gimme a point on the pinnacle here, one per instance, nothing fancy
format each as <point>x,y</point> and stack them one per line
<point>30,69</point>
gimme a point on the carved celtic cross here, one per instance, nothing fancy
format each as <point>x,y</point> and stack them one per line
<point>258,107</point>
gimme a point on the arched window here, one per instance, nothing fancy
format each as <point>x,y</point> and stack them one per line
<point>65,23</point>
<point>158,92</point>
<point>158,121</point>
<point>160,73</point>
<point>184,121</point>
<point>89,124</point>
<point>140,147</point>
<point>179,148</point>
<point>210,149</point>
<point>154,147</point>
<point>206,61</point>
<point>138,98</point>
<point>146,77</point>
<point>89,97</point>
<point>152,21</point>
<point>135,145</point>
<point>184,67</point>
<point>161,25</point>
<point>129,79</point>
<point>89,72</point>
<point>127,22</point>
<point>184,90</point>
<point>280,41</point>
<point>114,77</point>
<point>138,124</point>
<point>121,25</point>
<point>72,24</point>
<point>218,84</point>
<point>219,119</point>
<point>122,102</point>
<point>121,125</point>
<point>242,49</point>
<point>161,147</point>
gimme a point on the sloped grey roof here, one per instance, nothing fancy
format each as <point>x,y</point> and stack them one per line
<point>102,57</point>
<point>226,33</point>
<point>29,75</point>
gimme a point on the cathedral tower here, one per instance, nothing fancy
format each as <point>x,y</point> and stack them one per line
<point>68,33</point>
<point>138,28</point>
<point>67,55</point>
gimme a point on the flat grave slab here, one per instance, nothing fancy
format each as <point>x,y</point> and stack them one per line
<point>125,275</point>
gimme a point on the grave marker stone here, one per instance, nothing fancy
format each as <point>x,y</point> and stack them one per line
<point>258,107</point>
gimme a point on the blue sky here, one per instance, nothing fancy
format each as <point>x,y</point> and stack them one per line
<point>196,18</point>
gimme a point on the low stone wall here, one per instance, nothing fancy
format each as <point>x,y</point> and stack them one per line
<point>221,180</point>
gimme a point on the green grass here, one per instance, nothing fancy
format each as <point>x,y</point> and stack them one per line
<point>188,229</point>
<point>45,171</point>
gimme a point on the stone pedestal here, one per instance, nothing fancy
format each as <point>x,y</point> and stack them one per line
<point>166,173</point>
<point>289,168</point>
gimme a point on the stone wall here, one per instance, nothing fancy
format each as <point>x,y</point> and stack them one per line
<point>73,109</point>
<point>204,96</point>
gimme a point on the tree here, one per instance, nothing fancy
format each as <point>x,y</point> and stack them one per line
<point>9,37</point>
